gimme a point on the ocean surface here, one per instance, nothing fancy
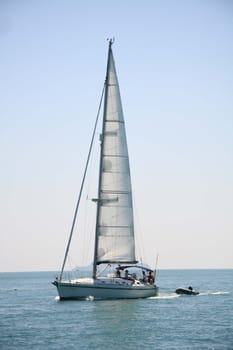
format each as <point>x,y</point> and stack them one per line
<point>32,317</point>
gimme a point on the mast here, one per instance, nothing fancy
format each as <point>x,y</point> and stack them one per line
<point>111,41</point>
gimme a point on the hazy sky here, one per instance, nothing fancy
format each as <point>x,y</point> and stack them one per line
<point>175,67</point>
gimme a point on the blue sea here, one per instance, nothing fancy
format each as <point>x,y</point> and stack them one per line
<point>32,317</point>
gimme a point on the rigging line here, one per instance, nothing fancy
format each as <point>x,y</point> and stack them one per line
<point>105,268</point>
<point>82,184</point>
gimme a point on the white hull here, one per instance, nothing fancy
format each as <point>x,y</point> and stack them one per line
<point>104,288</point>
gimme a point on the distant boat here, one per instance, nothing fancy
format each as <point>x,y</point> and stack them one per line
<point>187,291</point>
<point>114,232</point>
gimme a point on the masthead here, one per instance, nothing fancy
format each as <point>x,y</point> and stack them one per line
<point>111,41</point>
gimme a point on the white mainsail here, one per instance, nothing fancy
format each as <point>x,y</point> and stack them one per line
<point>114,226</point>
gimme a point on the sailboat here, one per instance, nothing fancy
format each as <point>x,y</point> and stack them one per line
<point>114,230</point>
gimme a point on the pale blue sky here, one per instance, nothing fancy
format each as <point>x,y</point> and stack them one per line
<point>175,67</point>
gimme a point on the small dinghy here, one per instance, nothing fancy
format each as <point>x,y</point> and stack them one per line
<point>187,291</point>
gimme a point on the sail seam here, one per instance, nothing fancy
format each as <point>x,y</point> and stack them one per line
<point>115,192</point>
<point>112,226</point>
<point>115,156</point>
<point>115,121</point>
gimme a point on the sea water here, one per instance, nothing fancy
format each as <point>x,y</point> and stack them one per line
<point>32,317</point>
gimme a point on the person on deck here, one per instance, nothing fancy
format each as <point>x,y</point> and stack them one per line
<point>150,278</point>
<point>118,273</point>
<point>144,278</point>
